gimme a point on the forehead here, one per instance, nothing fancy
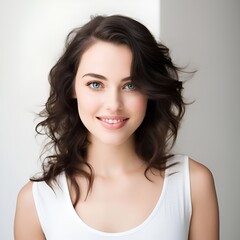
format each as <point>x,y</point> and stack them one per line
<point>105,56</point>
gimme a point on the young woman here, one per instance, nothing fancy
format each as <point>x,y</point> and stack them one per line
<point>112,117</point>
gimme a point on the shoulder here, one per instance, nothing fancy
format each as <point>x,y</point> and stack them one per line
<point>201,178</point>
<point>205,216</point>
<point>26,223</point>
<point>25,194</point>
<point>199,171</point>
<point>25,199</point>
<point>202,183</point>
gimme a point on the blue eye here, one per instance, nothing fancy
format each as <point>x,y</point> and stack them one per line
<point>95,85</point>
<point>130,86</point>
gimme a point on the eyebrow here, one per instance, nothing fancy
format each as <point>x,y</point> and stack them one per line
<point>103,77</point>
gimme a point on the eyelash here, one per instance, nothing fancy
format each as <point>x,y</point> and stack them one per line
<point>90,84</point>
<point>100,85</point>
<point>127,84</point>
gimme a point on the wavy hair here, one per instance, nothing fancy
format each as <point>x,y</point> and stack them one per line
<point>152,71</point>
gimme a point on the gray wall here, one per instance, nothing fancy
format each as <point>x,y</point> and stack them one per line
<point>205,35</point>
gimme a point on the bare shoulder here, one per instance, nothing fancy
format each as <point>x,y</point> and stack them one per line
<point>26,223</point>
<point>202,181</point>
<point>200,175</point>
<point>205,216</point>
<point>25,194</point>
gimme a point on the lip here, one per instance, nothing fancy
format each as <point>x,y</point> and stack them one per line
<point>112,122</point>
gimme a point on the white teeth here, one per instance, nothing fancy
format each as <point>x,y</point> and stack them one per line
<point>112,121</point>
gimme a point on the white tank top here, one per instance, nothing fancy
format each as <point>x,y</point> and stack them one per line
<point>169,220</point>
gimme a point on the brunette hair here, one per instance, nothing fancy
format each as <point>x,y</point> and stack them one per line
<point>153,73</point>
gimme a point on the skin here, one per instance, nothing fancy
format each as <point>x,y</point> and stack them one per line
<point>104,91</point>
<point>119,172</point>
<point>205,213</point>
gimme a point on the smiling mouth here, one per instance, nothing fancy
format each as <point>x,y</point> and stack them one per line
<point>112,120</point>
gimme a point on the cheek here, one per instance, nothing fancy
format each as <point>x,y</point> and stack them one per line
<point>86,101</point>
<point>86,104</point>
<point>140,105</point>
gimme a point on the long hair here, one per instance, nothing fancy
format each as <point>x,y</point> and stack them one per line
<point>152,71</point>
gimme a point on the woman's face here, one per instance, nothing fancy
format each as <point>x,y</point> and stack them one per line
<point>109,104</point>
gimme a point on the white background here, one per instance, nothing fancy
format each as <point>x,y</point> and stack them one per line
<point>32,38</point>
<point>202,33</point>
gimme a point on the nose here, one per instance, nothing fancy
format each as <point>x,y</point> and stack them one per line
<point>114,101</point>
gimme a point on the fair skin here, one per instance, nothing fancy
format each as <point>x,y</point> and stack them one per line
<point>112,113</point>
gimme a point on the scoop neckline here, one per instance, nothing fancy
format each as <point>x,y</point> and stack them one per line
<point>121,233</point>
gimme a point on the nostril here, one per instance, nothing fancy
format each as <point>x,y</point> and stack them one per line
<point>114,102</point>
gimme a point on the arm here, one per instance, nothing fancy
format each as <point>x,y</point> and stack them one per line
<point>205,215</point>
<point>26,223</point>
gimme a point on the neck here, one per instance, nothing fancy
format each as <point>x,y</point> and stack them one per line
<point>110,160</point>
